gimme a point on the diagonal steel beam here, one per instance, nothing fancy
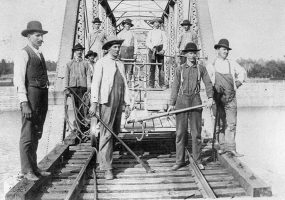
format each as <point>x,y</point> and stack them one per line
<point>117,5</point>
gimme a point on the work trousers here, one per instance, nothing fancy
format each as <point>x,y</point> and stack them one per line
<point>111,114</point>
<point>127,52</point>
<point>32,128</point>
<point>80,91</point>
<point>159,59</point>
<point>228,114</point>
<point>195,118</point>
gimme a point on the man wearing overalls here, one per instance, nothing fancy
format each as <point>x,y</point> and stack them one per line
<point>185,93</point>
<point>226,76</point>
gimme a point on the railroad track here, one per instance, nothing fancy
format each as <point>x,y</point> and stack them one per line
<point>78,178</point>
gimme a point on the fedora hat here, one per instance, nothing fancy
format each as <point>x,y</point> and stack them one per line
<point>91,53</point>
<point>127,21</point>
<point>78,47</point>
<point>96,20</point>
<point>111,41</point>
<point>33,26</point>
<point>190,47</point>
<point>223,43</point>
<point>159,20</point>
<point>186,22</point>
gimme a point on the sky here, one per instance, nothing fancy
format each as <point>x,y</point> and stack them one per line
<point>255,28</point>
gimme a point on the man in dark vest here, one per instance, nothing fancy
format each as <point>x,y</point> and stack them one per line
<point>31,82</point>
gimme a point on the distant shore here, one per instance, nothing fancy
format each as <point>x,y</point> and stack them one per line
<point>253,93</point>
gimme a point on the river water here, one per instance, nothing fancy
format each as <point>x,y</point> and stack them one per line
<point>260,137</point>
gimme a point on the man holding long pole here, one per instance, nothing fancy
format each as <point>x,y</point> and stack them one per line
<point>109,93</point>
<point>185,93</point>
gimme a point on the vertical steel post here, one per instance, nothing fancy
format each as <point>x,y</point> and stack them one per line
<point>80,25</point>
<point>95,10</point>
<point>172,41</point>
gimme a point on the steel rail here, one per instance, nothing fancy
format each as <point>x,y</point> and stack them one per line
<point>79,181</point>
<point>207,190</point>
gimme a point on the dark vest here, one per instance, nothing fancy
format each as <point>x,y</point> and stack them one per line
<point>36,72</point>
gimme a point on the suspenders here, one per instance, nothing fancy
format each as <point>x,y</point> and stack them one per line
<point>197,89</point>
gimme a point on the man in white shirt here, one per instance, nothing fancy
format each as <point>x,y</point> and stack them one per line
<point>156,42</point>
<point>97,38</point>
<point>128,46</point>
<point>109,93</point>
<point>185,38</point>
<point>226,76</point>
<point>31,82</point>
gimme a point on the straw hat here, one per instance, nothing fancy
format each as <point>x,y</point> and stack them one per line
<point>111,41</point>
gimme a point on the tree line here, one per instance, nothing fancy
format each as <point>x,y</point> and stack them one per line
<point>7,67</point>
<point>255,68</point>
<point>274,69</point>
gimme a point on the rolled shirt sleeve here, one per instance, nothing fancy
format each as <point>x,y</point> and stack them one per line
<point>207,81</point>
<point>20,67</point>
<point>240,72</point>
<point>211,72</point>
<point>67,76</point>
<point>96,82</point>
<point>148,40</point>
<point>175,87</point>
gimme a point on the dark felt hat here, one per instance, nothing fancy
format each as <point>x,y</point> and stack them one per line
<point>91,53</point>
<point>78,47</point>
<point>96,20</point>
<point>33,26</point>
<point>186,22</point>
<point>159,20</point>
<point>127,21</point>
<point>111,41</point>
<point>223,43</point>
<point>191,47</point>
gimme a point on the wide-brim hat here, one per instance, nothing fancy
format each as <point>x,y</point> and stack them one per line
<point>33,26</point>
<point>186,22</point>
<point>78,47</point>
<point>111,41</point>
<point>91,53</point>
<point>223,43</point>
<point>96,20</point>
<point>127,21</point>
<point>156,20</point>
<point>191,47</point>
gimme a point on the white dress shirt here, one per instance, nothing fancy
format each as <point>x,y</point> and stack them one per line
<point>222,66</point>
<point>128,37</point>
<point>20,67</point>
<point>156,37</point>
<point>103,78</point>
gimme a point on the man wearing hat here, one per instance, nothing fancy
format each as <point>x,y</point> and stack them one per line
<point>31,82</point>
<point>90,56</point>
<point>226,76</point>
<point>109,93</point>
<point>77,78</point>
<point>185,93</point>
<point>156,42</point>
<point>97,38</point>
<point>128,46</point>
<point>186,37</point>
